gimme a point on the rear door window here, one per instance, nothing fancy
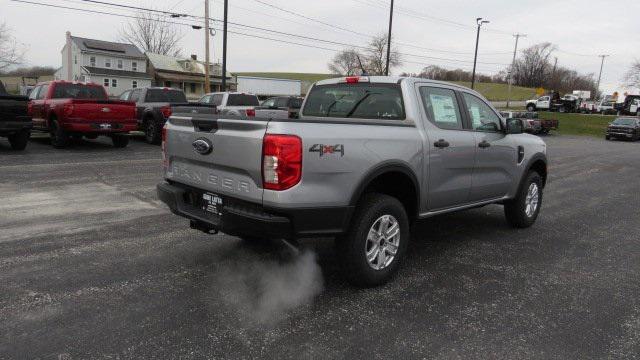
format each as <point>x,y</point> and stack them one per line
<point>360,101</point>
<point>166,96</point>
<point>242,100</point>
<point>441,107</point>
<point>282,102</point>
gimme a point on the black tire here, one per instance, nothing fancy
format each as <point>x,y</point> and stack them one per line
<point>59,137</point>
<point>515,210</point>
<point>607,137</point>
<point>119,140</point>
<point>561,109</point>
<point>352,247</point>
<point>531,108</point>
<point>19,140</point>
<point>152,132</point>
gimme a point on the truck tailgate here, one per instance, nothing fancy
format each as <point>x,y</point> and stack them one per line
<point>232,166</point>
<point>104,111</point>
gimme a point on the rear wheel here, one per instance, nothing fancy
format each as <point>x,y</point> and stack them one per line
<point>59,137</point>
<point>371,251</point>
<point>119,140</point>
<point>531,108</point>
<point>19,140</point>
<point>607,137</point>
<point>523,211</point>
<point>152,131</point>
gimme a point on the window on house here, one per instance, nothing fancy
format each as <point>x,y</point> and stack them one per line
<point>106,82</point>
<point>134,66</point>
<point>120,64</point>
<point>92,61</point>
<point>193,88</point>
<point>107,63</point>
<point>187,65</point>
<point>134,84</point>
<point>114,82</point>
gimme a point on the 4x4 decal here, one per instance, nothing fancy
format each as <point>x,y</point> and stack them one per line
<point>327,149</point>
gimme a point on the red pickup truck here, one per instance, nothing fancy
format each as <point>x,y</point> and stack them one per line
<point>72,110</point>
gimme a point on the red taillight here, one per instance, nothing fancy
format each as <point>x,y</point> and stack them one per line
<point>352,79</point>
<point>166,111</point>
<point>251,112</point>
<point>281,161</point>
<point>165,159</point>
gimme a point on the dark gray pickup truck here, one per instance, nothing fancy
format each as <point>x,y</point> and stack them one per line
<point>15,124</point>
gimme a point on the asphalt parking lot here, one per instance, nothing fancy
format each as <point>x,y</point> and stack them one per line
<point>93,266</point>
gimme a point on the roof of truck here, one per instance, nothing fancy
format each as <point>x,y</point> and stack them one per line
<point>389,80</point>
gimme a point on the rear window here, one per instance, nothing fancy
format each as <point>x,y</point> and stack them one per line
<point>166,96</point>
<point>361,101</point>
<point>242,100</point>
<point>78,91</point>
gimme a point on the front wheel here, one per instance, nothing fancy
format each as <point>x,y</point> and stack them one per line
<point>119,141</point>
<point>19,140</point>
<point>371,251</point>
<point>523,211</point>
<point>531,108</point>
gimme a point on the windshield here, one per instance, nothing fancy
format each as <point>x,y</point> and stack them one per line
<point>166,96</point>
<point>363,100</point>
<point>79,91</point>
<point>242,100</point>
<point>624,121</point>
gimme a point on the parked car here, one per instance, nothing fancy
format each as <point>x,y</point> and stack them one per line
<point>624,128</point>
<point>73,110</point>
<point>232,103</point>
<point>630,106</point>
<point>360,167</point>
<point>606,107</point>
<point>291,104</point>
<point>15,123</point>
<point>531,123</point>
<point>153,108</point>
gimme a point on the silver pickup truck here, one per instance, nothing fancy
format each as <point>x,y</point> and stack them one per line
<point>367,157</point>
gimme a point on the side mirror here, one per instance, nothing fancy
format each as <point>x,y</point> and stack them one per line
<point>514,126</point>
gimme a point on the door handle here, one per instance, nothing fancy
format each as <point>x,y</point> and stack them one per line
<point>441,144</point>
<point>484,144</point>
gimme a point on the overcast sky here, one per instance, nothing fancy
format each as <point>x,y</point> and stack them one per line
<point>427,31</point>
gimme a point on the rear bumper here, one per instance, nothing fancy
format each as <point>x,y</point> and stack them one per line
<point>11,126</point>
<point>103,127</point>
<point>241,218</point>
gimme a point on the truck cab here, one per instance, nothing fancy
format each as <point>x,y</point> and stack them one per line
<point>541,103</point>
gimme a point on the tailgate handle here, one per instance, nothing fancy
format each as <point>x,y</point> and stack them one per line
<point>205,125</point>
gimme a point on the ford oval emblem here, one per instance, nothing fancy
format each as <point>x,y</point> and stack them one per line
<point>202,146</point>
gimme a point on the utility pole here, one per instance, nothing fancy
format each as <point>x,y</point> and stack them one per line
<point>224,46</point>
<point>207,80</point>
<point>386,72</point>
<point>475,57</point>
<point>600,76</point>
<point>513,63</point>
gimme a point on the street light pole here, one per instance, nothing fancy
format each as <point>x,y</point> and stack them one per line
<point>386,72</point>
<point>224,46</point>
<point>515,51</point>
<point>207,81</point>
<point>475,57</point>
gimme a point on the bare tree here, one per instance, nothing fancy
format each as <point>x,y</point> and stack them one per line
<point>533,65</point>
<point>376,55</point>
<point>345,63</point>
<point>373,57</point>
<point>10,52</point>
<point>152,33</point>
<point>632,76</point>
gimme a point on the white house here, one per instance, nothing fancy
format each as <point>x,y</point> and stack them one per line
<point>116,66</point>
